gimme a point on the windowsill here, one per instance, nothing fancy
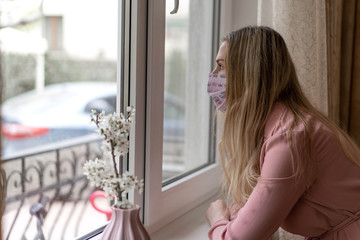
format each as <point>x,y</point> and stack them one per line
<point>192,225</point>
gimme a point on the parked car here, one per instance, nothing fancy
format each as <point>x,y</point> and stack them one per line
<point>62,112</point>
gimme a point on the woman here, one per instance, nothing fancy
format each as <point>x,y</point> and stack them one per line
<point>285,164</point>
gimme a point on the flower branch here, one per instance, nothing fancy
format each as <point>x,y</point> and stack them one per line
<point>114,130</point>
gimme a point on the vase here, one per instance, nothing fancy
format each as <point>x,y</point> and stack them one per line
<point>125,224</point>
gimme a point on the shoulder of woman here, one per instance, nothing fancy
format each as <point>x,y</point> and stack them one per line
<point>277,120</point>
<point>282,119</point>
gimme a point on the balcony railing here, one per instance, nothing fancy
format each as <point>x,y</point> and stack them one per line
<point>46,194</point>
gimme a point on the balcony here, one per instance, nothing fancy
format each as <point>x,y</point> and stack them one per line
<point>46,194</point>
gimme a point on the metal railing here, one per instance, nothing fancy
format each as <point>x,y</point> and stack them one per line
<point>46,194</point>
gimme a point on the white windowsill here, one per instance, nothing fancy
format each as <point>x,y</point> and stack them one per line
<point>192,225</point>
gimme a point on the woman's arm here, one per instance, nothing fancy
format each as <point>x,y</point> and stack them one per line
<point>218,210</point>
<point>270,202</point>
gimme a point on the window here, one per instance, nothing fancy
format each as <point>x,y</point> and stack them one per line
<point>147,58</point>
<point>173,108</point>
<point>188,35</point>
<point>59,61</point>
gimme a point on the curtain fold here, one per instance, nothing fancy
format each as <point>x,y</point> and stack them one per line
<point>343,47</point>
<point>334,11</point>
<point>354,112</point>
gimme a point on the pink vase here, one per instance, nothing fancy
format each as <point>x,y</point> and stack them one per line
<point>125,224</point>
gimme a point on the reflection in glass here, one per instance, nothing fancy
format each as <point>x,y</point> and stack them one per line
<point>59,61</point>
<point>186,104</point>
<point>55,68</point>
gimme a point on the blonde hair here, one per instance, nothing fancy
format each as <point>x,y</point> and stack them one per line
<point>260,73</point>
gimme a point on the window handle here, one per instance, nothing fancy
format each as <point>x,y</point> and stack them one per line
<point>176,7</point>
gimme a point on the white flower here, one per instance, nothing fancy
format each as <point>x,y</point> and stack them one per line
<point>114,130</point>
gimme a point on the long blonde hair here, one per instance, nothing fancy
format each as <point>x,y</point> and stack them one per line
<point>259,73</point>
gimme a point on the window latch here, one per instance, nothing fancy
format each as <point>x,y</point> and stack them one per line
<point>176,7</point>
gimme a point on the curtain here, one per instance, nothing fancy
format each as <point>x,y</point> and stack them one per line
<point>343,43</point>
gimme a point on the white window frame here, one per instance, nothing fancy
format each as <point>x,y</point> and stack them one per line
<point>145,89</point>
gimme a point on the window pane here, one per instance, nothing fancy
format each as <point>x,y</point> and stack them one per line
<point>59,61</point>
<point>188,46</point>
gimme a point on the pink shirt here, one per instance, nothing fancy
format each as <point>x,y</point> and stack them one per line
<point>330,209</point>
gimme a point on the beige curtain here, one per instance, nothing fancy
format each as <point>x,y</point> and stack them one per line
<point>343,43</point>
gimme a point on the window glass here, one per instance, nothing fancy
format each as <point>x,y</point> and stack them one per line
<point>188,47</point>
<point>59,61</point>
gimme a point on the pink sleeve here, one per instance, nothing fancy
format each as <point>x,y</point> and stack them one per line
<point>234,209</point>
<point>271,200</point>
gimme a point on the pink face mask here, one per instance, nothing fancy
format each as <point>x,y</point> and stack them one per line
<point>216,89</point>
